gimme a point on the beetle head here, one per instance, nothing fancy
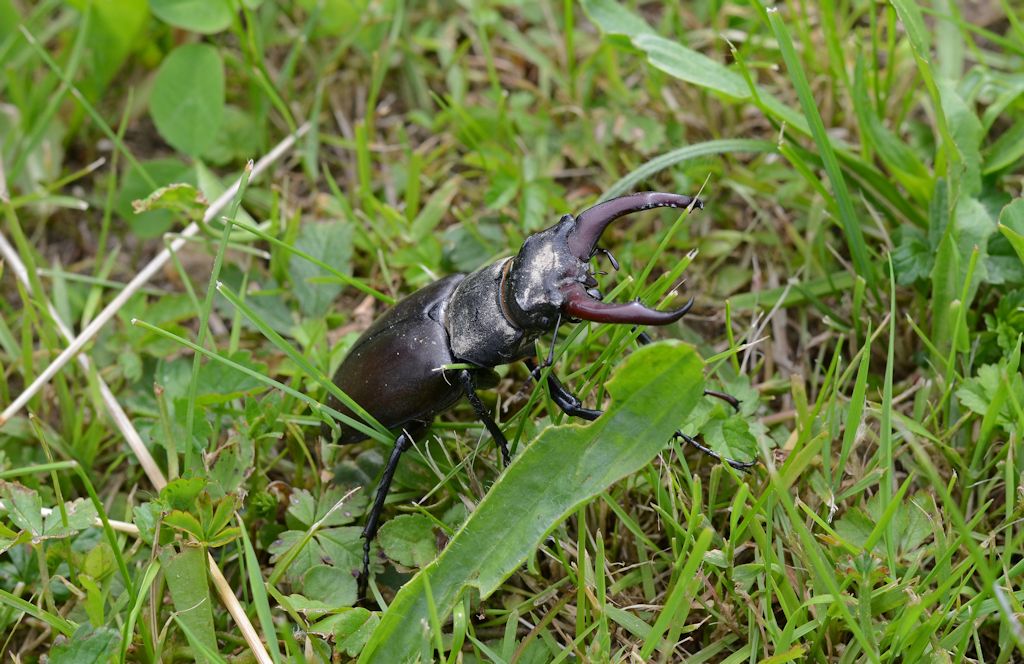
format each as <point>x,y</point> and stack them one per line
<point>551,275</point>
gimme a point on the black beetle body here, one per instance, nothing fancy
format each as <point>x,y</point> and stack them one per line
<point>392,369</point>
<point>490,317</point>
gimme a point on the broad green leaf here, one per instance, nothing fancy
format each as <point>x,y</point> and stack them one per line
<point>967,134</point>
<point>95,599</point>
<point>684,63</point>
<point>466,249</point>
<point>307,510</point>
<point>186,522</point>
<point>180,197</point>
<point>24,507</point>
<point>219,383</point>
<point>1007,150</point>
<point>88,645</point>
<point>409,540</point>
<point>331,585</point>
<point>238,139</point>
<point>989,388</point>
<point>731,438</point>
<point>115,27</point>
<point>946,283</point>
<point>9,19</point>
<point>134,186</point>
<point>80,513</point>
<point>1011,225</point>
<point>10,538</point>
<point>181,493</point>
<point>903,163</point>
<point>351,628</point>
<point>949,41</point>
<point>912,258</point>
<point>187,102</point>
<point>341,547</point>
<point>216,382</point>
<point>565,466</point>
<point>913,24</point>
<point>973,227</point>
<point>202,16</point>
<point>615,19</point>
<point>335,17</point>
<point>690,66</point>
<point>190,592</point>
<point>330,243</point>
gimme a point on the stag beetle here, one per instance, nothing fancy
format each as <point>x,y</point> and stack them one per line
<point>485,319</point>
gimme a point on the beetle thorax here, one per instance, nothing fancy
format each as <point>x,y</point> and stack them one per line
<point>479,330</point>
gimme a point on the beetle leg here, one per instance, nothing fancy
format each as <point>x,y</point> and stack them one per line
<point>726,397</point>
<point>402,443</point>
<point>738,465</point>
<point>568,402</point>
<point>481,412</point>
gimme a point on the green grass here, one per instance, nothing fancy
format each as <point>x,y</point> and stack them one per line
<point>859,275</point>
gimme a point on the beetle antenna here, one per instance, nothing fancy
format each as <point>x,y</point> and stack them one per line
<point>610,256</point>
<point>554,340</point>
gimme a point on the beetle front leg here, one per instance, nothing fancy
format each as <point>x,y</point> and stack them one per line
<point>466,378</point>
<point>566,401</point>
<point>570,404</point>
<point>738,465</point>
<point>402,443</point>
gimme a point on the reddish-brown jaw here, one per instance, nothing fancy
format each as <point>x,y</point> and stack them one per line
<point>582,242</point>
<point>578,304</point>
<point>590,224</point>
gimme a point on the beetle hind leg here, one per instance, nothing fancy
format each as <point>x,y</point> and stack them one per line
<point>402,443</point>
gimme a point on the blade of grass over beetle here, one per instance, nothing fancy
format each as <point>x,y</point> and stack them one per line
<point>144,275</point>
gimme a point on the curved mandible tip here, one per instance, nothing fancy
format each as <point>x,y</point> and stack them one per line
<point>592,222</point>
<point>579,304</point>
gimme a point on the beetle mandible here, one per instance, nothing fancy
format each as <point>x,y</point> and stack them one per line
<point>485,319</point>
